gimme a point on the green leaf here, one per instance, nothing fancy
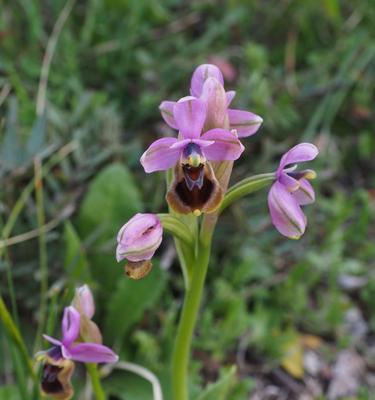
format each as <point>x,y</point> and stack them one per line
<point>220,389</point>
<point>76,264</point>
<point>126,385</point>
<point>129,302</point>
<point>37,136</point>
<point>111,200</point>
<point>9,392</point>
<point>12,153</point>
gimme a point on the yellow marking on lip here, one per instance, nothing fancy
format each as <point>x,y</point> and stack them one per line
<point>197,212</point>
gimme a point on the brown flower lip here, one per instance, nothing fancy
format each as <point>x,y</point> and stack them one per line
<point>194,190</point>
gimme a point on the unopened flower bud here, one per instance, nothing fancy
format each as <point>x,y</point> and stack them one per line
<point>213,94</point>
<point>200,76</point>
<point>83,301</point>
<point>139,238</point>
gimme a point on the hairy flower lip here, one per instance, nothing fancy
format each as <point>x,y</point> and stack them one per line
<point>56,376</point>
<point>196,200</point>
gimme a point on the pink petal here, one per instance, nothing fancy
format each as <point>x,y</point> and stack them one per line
<point>286,214</point>
<point>200,75</point>
<point>245,122</point>
<point>230,96</point>
<point>90,352</point>
<point>159,156</point>
<point>52,340</point>
<point>183,143</point>
<point>305,194</point>
<point>166,109</point>
<point>226,146</point>
<point>190,114</point>
<point>289,182</point>
<point>299,153</point>
<point>70,325</point>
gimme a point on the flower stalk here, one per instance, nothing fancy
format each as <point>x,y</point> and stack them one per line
<point>185,330</point>
<point>92,370</point>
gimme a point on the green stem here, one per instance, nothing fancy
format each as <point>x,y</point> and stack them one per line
<point>43,261</point>
<point>182,349</point>
<point>245,187</point>
<point>93,372</point>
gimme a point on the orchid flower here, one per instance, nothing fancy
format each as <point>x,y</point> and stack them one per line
<point>58,362</point>
<point>191,151</point>
<point>292,190</point>
<point>206,83</point>
<point>137,242</point>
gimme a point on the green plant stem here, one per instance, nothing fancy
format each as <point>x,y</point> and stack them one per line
<point>245,187</point>
<point>92,370</point>
<point>43,261</point>
<point>182,349</point>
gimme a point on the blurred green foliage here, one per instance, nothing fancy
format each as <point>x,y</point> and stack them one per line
<point>307,67</point>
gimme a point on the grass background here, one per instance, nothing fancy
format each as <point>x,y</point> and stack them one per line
<point>306,67</point>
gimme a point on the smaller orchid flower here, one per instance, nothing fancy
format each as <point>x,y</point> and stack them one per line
<point>83,302</point>
<point>58,362</point>
<point>292,190</point>
<point>189,154</point>
<point>207,84</point>
<point>137,242</point>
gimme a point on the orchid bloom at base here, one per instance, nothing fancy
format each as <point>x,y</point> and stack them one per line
<point>58,362</point>
<point>292,190</point>
<point>137,242</point>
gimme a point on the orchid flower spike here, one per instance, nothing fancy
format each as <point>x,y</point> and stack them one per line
<point>83,302</point>
<point>137,242</point>
<point>189,153</point>
<point>58,362</point>
<point>292,190</point>
<point>207,84</point>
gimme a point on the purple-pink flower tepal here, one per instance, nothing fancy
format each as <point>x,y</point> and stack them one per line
<point>137,242</point>
<point>205,84</point>
<point>292,190</point>
<point>192,146</point>
<point>58,362</point>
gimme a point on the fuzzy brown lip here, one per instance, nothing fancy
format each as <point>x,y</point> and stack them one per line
<point>50,379</point>
<point>184,199</point>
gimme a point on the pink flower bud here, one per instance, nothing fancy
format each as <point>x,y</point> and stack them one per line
<point>139,238</point>
<point>213,94</point>
<point>84,302</point>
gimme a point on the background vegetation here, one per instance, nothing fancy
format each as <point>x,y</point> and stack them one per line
<point>290,315</point>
